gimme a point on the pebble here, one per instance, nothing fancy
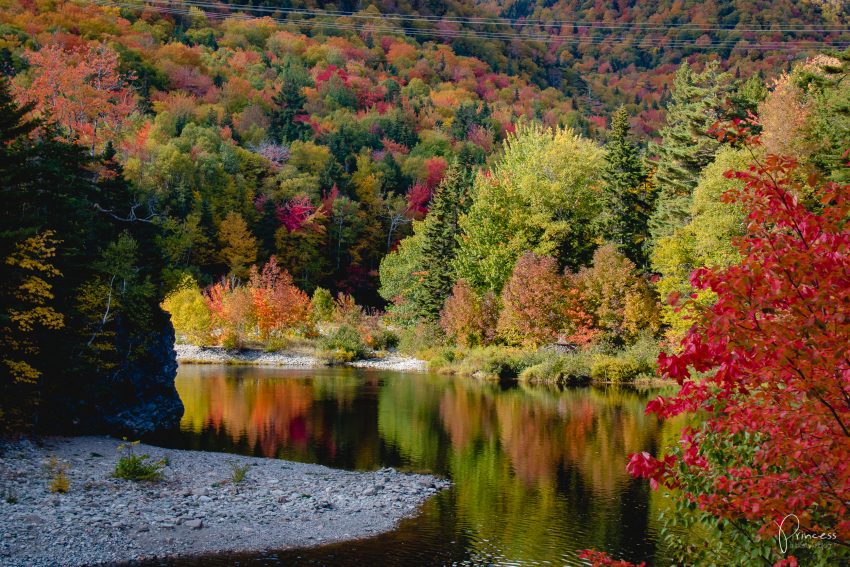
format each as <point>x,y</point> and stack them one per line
<point>194,510</point>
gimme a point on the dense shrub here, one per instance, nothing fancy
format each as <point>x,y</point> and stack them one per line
<point>569,369</point>
<point>421,338</point>
<point>190,314</point>
<point>375,335</point>
<point>323,304</point>
<point>468,319</point>
<point>278,304</point>
<point>618,369</point>
<point>620,302</point>
<point>343,345</point>
<point>539,307</point>
<point>269,305</point>
<point>491,362</point>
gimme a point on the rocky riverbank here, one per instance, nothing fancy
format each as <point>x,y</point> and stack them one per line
<point>190,354</point>
<point>197,508</point>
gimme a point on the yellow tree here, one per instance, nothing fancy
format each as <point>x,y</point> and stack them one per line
<point>239,247</point>
<point>30,312</point>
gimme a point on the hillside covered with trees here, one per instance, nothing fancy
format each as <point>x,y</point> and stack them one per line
<point>558,192</point>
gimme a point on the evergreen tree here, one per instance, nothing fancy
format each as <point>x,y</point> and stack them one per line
<point>440,239</point>
<point>686,147</point>
<point>628,201</point>
<point>81,274</point>
<point>828,130</point>
<point>468,114</point>
<point>285,125</point>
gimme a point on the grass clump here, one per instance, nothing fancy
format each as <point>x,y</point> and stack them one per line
<point>137,468</point>
<point>421,340</point>
<point>628,364</point>
<point>9,495</point>
<point>238,472</point>
<point>59,484</point>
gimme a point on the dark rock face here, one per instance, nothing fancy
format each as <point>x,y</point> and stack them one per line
<point>133,399</point>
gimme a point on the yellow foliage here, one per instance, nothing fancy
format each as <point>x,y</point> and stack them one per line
<point>190,314</point>
<point>33,293</point>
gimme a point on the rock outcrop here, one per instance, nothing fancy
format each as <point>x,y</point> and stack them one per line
<point>134,398</point>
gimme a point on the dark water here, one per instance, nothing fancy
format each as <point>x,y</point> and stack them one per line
<point>538,473</point>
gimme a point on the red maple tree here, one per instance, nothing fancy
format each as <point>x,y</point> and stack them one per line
<point>768,365</point>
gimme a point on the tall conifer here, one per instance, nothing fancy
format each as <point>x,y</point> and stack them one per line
<point>627,195</point>
<point>440,239</point>
<point>686,146</point>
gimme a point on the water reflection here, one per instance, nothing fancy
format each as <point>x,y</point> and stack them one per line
<point>538,473</point>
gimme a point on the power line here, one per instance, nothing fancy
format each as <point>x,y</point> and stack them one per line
<point>156,5</point>
<point>511,22</point>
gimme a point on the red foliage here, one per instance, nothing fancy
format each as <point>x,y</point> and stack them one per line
<point>215,296</point>
<point>329,198</point>
<point>539,306</point>
<point>418,197</point>
<point>394,147</point>
<point>602,559</point>
<point>777,343</point>
<point>296,213</point>
<point>468,319</point>
<point>330,71</point>
<point>435,168</point>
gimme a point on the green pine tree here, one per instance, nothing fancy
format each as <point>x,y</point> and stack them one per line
<point>440,239</point>
<point>289,104</point>
<point>627,193</point>
<point>829,126</point>
<point>686,146</point>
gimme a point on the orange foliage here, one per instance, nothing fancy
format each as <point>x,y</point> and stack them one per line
<point>468,319</point>
<point>278,303</point>
<point>81,89</point>
<point>540,307</point>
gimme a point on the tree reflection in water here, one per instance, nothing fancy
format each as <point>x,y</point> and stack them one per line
<point>538,472</point>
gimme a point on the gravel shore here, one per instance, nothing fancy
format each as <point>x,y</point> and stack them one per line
<point>190,354</point>
<point>195,509</point>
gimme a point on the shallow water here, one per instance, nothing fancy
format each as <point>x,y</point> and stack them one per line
<point>538,473</point>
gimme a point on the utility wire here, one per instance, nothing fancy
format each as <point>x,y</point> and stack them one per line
<point>511,22</point>
<point>157,6</point>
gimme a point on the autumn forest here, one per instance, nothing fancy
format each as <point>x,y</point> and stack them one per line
<point>561,204</point>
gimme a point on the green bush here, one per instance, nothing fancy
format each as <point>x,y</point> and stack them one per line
<point>442,358</point>
<point>275,344</point>
<point>323,304</point>
<point>343,345</point>
<point>645,350</point>
<point>384,339</point>
<point>568,369</point>
<point>421,338</point>
<point>617,369</point>
<point>493,362</point>
<point>230,340</point>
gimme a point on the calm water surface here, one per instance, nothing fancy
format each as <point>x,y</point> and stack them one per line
<point>538,473</point>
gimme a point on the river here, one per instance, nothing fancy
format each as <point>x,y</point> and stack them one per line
<point>538,472</point>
